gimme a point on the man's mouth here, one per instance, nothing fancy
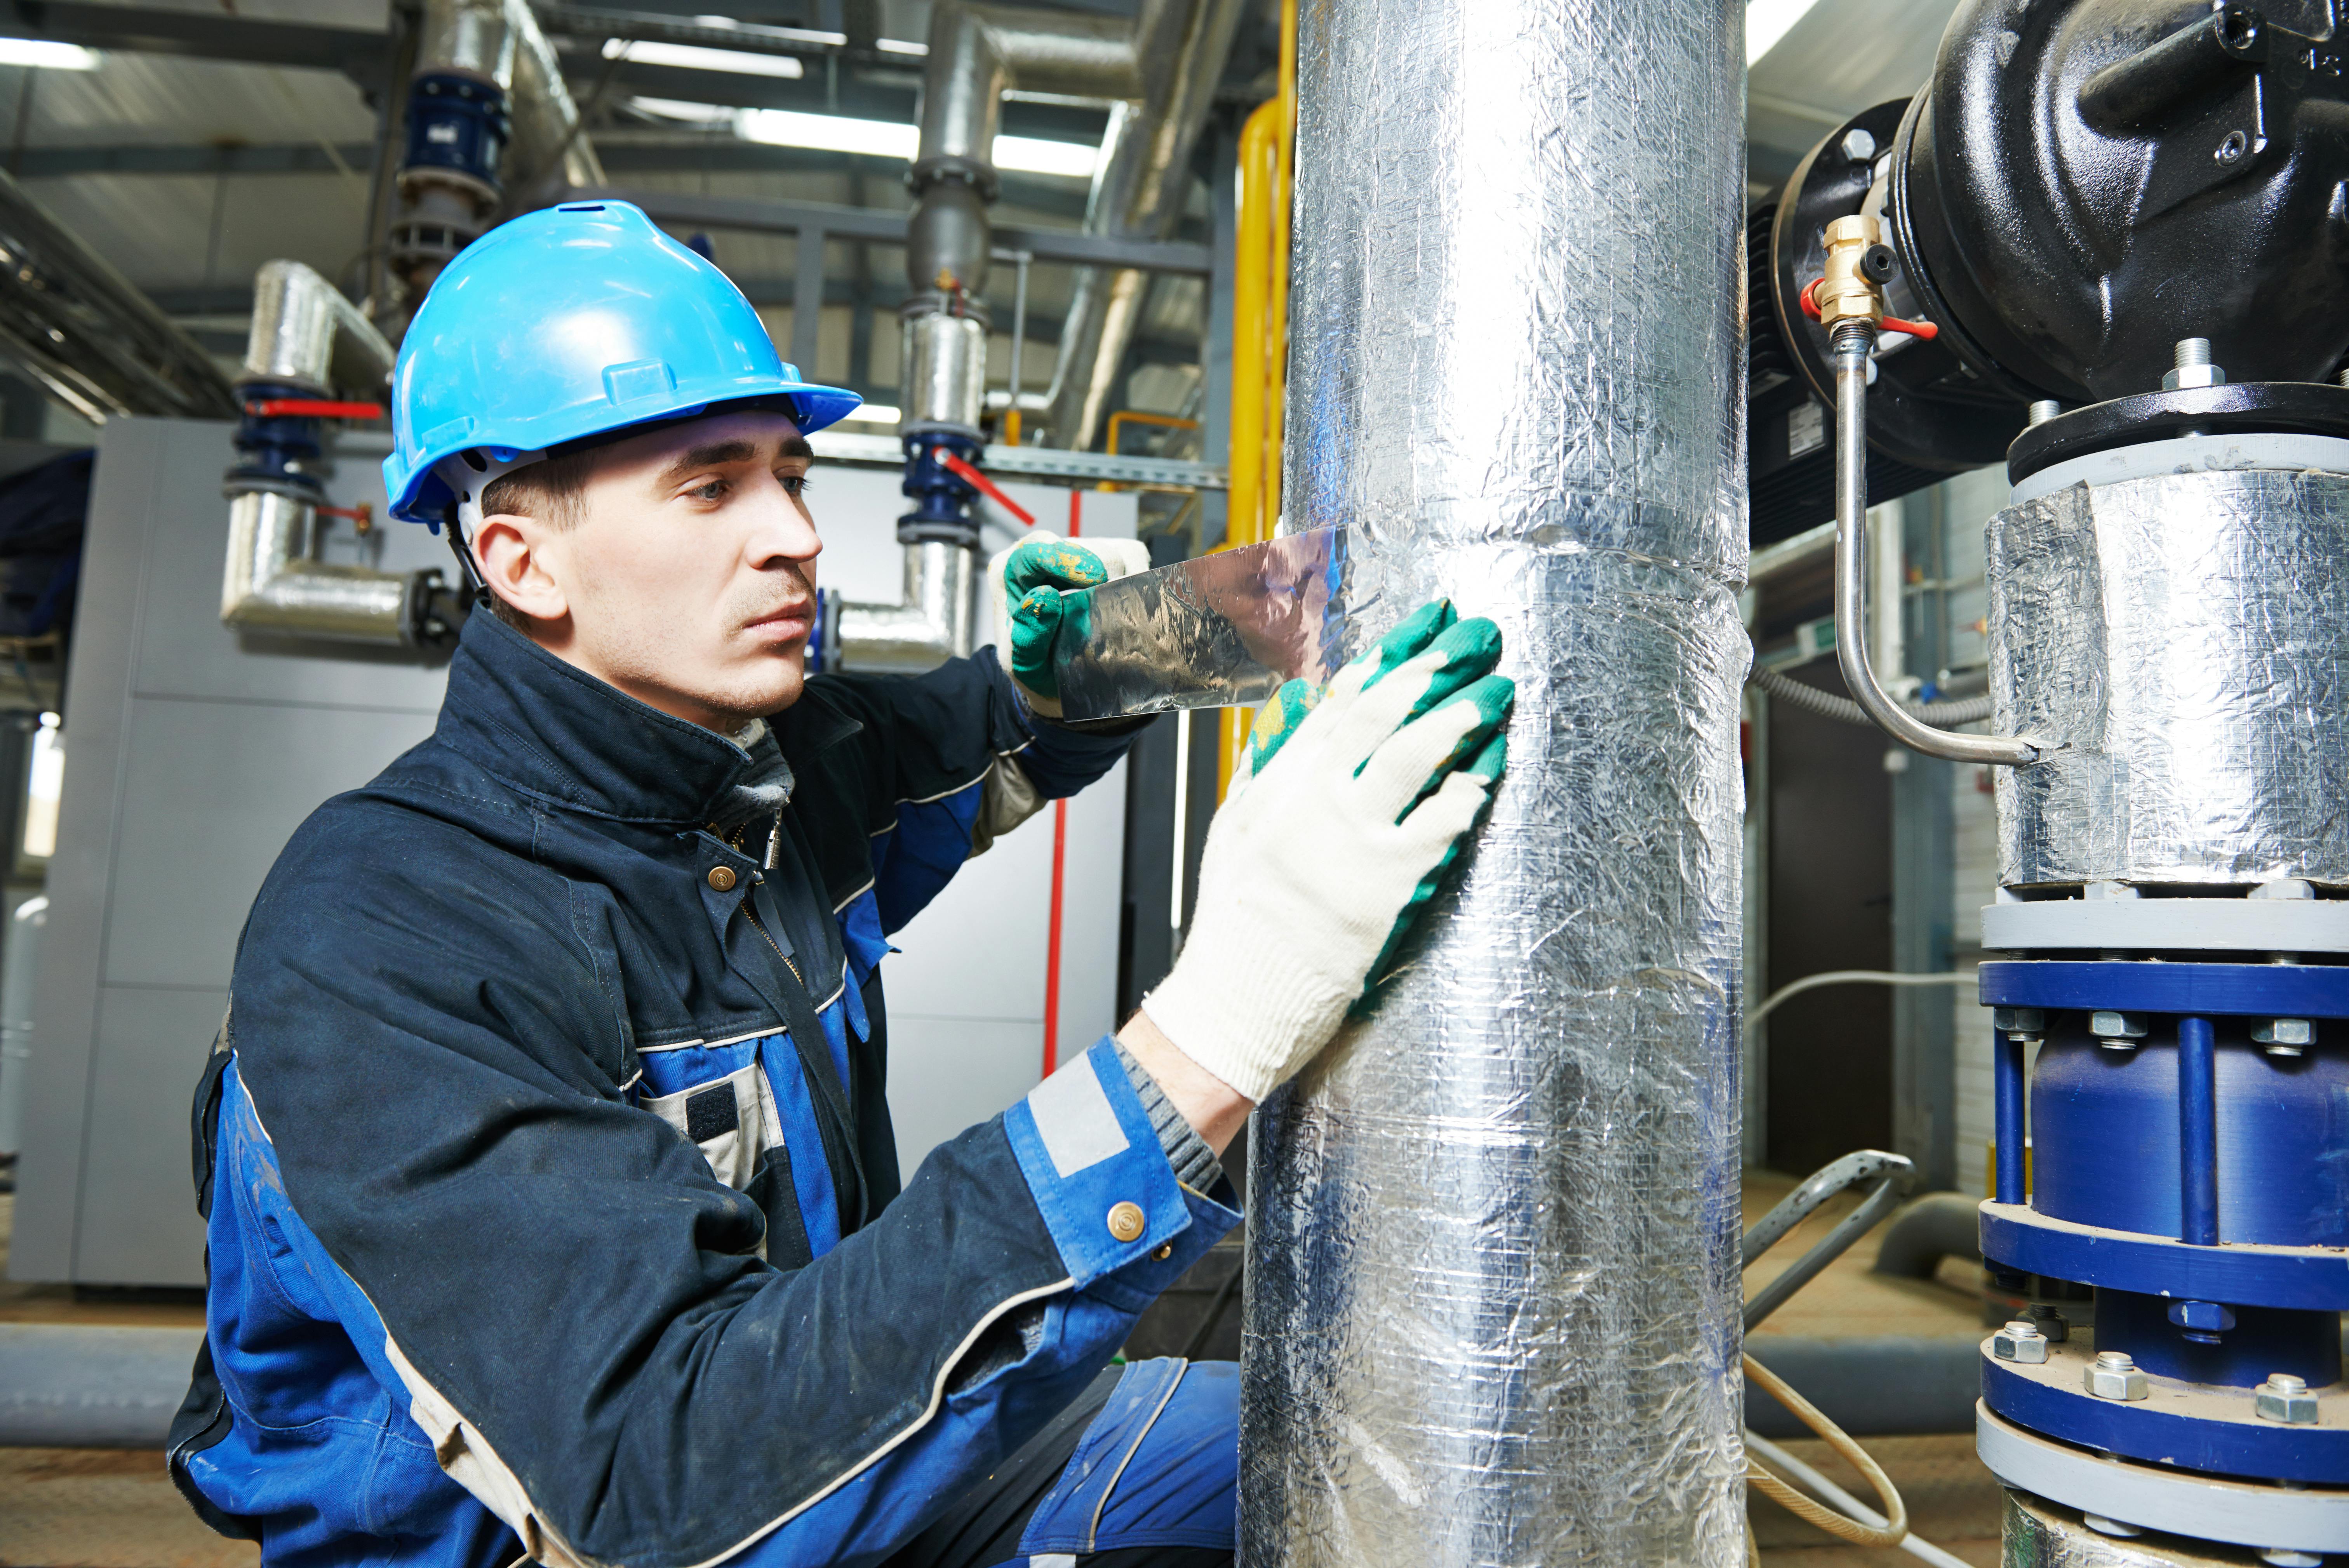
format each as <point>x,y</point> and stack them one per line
<point>787,623</point>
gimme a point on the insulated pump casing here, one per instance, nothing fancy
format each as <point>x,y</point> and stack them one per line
<point>1493,1303</point>
<point>2182,641</point>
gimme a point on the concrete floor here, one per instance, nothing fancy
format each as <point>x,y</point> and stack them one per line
<point>64,1508</point>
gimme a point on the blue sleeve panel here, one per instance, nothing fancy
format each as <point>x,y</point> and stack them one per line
<point>324,1455</point>
<point>1158,1467</point>
<point>919,854</point>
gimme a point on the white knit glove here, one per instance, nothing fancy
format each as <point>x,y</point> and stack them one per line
<point>1330,843</point>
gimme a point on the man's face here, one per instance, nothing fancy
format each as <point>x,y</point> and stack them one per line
<point>689,577</point>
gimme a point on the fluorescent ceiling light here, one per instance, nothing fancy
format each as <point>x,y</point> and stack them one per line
<point>900,46</point>
<point>873,414</point>
<point>46,54</point>
<point>828,132</point>
<point>1767,21</point>
<point>695,57</point>
<point>695,113</point>
<point>886,138</point>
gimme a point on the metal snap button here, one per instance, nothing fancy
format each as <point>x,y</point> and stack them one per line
<point>722,878</point>
<point>1165,1250</point>
<point>1125,1221</point>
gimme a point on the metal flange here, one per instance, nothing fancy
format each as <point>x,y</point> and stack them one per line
<point>2310,1279</point>
<point>2194,1426</point>
<point>2239,1512</point>
<point>2203,990</point>
<point>2167,925</point>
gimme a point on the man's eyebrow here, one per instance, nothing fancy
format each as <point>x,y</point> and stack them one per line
<point>710,454</point>
<point>796,447</point>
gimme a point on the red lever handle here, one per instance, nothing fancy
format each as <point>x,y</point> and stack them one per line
<point>985,486</point>
<point>312,408</point>
<point>1924,329</point>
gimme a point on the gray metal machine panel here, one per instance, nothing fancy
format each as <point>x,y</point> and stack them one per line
<point>192,755</point>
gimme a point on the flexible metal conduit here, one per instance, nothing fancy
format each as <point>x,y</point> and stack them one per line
<point>1493,1305</point>
<point>306,339</point>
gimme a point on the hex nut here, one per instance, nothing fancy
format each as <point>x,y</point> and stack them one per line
<point>2019,1020</point>
<point>2049,1320</point>
<point>2112,1026</point>
<point>2019,1341</point>
<point>1858,145</point>
<point>2201,1316</point>
<point>2283,1032</point>
<point>2284,1397</point>
<point>2113,1374</point>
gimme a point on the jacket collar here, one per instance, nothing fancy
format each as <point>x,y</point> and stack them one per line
<point>553,730</point>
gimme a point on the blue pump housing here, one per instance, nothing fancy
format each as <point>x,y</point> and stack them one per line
<point>457,123</point>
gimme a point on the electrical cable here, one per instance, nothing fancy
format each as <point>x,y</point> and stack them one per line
<point>1827,704</point>
<point>1890,1532</point>
<point>1924,1549</point>
<point>1853,977</point>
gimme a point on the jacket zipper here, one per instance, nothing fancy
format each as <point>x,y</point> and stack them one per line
<point>751,908</point>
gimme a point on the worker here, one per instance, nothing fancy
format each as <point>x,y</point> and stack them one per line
<point>553,1206</point>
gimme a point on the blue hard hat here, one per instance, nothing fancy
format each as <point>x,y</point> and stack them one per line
<point>568,323</point>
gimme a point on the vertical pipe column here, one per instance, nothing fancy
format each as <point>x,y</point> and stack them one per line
<point>2011,1129</point>
<point>2198,1133</point>
<point>1491,1311</point>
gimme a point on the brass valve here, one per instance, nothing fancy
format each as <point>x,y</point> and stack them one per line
<point>1857,266</point>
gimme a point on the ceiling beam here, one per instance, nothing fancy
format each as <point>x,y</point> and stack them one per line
<point>352,52</point>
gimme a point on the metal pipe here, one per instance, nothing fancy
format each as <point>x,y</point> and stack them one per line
<point>934,623</point>
<point>1852,340</point>
<point>2198,1134</point>
<point>1180,46</point>
<point>1491,1304</point>
<point>487,114</point>
<point>94,341</point>
<point>306,340</point>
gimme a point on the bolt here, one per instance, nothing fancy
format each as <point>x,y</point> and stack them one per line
<point>2232,150</point>
<point>2203,1321</point>
<point>2020,1022</point>
<point>2019,1341</point>
<point>2284,1397</point>
<point>2193,366</point>
<point>2283,1037</point>
<point>1858,145</point>
<point>2344,377</point>
<point>2050,1321</point>
<point>2284,1557</point>
<point>2114,1375</point>
<point>2294,889</point>
<point>2117,1031</point>
<point>2043,411</point>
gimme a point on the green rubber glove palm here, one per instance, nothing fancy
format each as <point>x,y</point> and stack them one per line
<point>1036,580</point>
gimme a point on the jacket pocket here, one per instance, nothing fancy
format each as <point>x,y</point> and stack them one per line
<point>731,1120</point>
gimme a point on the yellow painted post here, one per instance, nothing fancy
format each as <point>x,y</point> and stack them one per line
<point>1252,265</point>
<point>1276,335</point>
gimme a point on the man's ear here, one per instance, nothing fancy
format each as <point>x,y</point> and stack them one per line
<point>513,551</point>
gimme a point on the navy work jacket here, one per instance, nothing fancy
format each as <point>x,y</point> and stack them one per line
<point>553,1206</point>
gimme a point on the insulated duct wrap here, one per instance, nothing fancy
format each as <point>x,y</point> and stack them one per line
<point>1493,1289</point>
<point>2183,643</point>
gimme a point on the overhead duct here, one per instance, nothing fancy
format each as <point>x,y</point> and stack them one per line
<point>1138,195</point>
<point>487,111</point>
<point>86,334</point>
<point>307,343</point>
<point>1161,70</point>
<point>1493,1300</point>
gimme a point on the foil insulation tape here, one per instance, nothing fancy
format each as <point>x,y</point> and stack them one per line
<point>1493,1287</point>
<point>2181,644</point>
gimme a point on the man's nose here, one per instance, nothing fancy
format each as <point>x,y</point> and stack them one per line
<point>781,529</point>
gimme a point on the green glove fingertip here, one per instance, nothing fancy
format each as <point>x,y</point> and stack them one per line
<point>1278,720</point>
<point>1410,639</point>
<point>1051,563</point>
<point>1035,630</point>
<point>1490,763</point>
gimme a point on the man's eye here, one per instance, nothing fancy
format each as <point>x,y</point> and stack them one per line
<point>794,485</point>
<point>714,490</point>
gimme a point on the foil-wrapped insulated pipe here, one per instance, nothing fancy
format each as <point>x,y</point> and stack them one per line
<point>1493,1288</point>
<point>2181,641</point>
